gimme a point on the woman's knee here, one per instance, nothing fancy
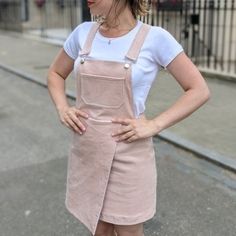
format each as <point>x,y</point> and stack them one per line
<point>104,229</point>
<point>129,230</point>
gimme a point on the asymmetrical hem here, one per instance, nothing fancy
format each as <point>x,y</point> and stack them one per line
<point>127,220</point>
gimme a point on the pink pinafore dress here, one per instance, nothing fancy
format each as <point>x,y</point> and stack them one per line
<point>108,180</point>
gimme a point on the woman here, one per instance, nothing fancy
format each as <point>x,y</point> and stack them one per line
<point>111,183</point>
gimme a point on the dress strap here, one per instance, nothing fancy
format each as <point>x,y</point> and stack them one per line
<point>138,42</point>
<point>88,43</point>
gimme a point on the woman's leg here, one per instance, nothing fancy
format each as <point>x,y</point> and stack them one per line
<point>104,229</point>
<point>115,233</point>
<point>129,230</point>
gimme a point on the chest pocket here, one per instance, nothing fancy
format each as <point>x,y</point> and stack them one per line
<point>102,91</point>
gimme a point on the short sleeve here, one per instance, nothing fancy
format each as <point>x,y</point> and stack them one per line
<point>71,45</point>
<point>167,47</point>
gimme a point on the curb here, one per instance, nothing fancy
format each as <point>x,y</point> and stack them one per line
<point>31,78</point>
<point>211,74</point>
<point>199,151</point>
<point>53,41</point>
<point>202,152</point>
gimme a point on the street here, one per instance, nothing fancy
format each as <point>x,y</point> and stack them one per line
<point>194,197</point>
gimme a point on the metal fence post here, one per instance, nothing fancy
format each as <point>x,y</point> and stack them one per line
<point>86,16</point>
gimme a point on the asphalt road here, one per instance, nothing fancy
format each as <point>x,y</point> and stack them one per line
<point>194,197</point>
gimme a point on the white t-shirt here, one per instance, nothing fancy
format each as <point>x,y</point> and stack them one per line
<point>158,50</point>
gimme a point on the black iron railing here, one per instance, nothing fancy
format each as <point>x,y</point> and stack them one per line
<point>205,28</point>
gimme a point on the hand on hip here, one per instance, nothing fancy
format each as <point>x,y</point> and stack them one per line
<point>134,129</point>
<point>69,116</point>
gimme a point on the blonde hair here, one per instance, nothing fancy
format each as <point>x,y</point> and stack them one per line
<point>138,7</point>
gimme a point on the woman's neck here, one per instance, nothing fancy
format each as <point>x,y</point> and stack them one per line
<point>123,24</point>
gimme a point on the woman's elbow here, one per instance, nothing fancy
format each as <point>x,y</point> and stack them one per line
<point>48,77</point>
<point>205,94</point>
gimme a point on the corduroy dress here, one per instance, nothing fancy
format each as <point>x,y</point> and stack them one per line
<point>108,180</point>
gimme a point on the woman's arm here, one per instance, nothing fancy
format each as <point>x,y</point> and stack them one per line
<point>196,93</point>
<point>57,74</point>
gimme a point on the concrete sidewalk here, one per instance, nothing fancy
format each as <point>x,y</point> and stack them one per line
<point>210,131</point>
<point>194,197</point>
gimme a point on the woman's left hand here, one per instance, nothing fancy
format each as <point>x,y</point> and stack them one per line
<point>134,129</point>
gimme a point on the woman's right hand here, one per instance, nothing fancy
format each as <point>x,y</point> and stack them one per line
<point>69,116</point>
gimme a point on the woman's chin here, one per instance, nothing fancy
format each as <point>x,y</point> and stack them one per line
<point>95,11</point>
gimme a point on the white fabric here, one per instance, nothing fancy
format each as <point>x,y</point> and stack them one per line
<point>159,49</point>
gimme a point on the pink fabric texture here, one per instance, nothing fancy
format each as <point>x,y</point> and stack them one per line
<point>108,180</point>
